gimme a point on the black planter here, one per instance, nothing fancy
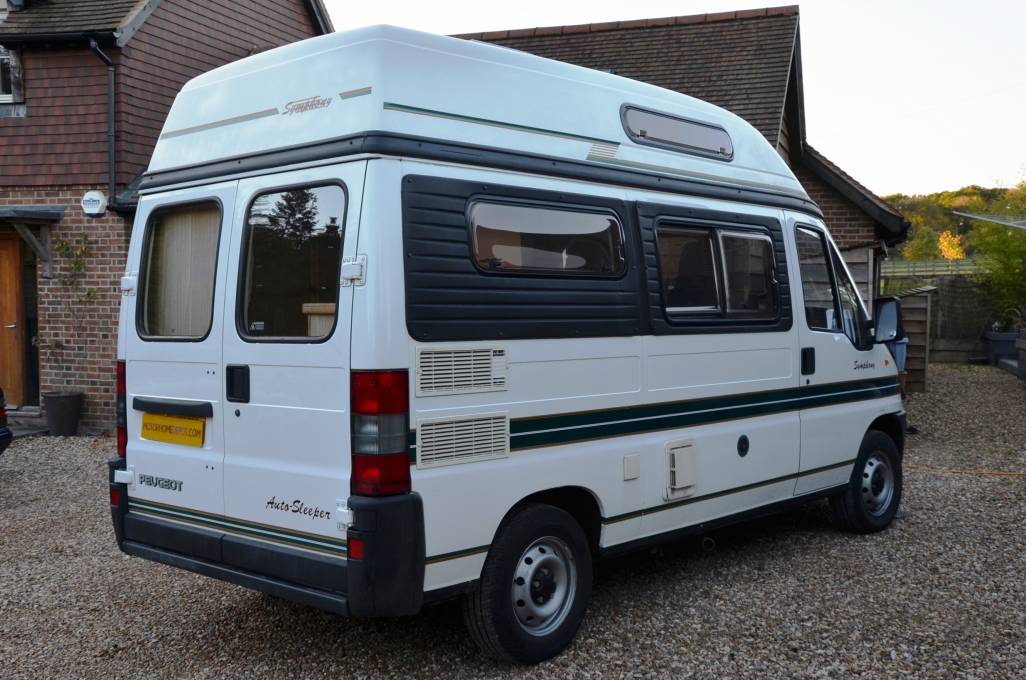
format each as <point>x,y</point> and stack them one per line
<point>62,412</point>
<point>1020,346</point>
<point>1000,345</point>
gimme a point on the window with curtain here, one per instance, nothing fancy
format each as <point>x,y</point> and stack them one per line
<point>179,264</point>
<point>534,239</point>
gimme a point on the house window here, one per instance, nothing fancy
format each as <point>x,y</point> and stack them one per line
<point>10,77</point>
<point>532,239</point>
<point>292,252</point>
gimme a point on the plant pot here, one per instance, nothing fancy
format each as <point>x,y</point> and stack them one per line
<point>1020,346</point>
<point>62,412</point>
<point>1000,345</point>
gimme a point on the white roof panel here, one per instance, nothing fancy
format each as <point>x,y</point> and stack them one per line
<point>384,78</point>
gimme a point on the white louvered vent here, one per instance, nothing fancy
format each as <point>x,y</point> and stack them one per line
<point>458,371</point>
<point>448,441</point>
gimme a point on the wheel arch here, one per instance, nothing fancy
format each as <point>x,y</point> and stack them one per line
<point>892,425</point>
<point>579,502</point>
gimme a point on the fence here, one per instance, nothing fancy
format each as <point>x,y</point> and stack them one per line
<point>927,268</point>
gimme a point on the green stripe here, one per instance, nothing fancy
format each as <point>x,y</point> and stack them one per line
<point>726,492</point>
<point>566,428</point>
<point>311,542</point>
<point>391,106</point>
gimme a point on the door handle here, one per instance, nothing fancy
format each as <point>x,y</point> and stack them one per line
<point>10,325</point>
<point>808,360</point>
<point>237,383</point>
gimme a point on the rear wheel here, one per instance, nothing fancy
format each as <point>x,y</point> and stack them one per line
<point>873,495</point>
<point>534,587</point>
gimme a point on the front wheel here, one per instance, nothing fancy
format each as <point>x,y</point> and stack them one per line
<point>534,587</point>
<point>873,494</point>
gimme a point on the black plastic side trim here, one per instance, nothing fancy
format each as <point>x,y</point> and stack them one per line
<point>118,512</point>
<point>389,580</point>
<point>189,409</point>
<point>334,603</point>
<point>449,298</point>
<point>204,544</point>
<point>395,144</point>
<point>719,523</point>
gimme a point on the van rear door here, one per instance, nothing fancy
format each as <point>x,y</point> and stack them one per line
<point>172,329</point>
<point>286,357</point>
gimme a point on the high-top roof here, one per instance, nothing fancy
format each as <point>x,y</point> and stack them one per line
<point>392,79</point>
<point>737,60</point>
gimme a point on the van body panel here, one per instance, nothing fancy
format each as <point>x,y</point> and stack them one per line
<point>545,355</point>
<point>287,449</point>
<point>832,434</point>
<point>172,369</point>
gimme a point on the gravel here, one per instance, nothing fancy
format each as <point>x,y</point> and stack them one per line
<point>941,594</point>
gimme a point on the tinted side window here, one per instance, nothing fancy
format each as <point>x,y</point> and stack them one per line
<point>179,262</point>
<point>541,240</point>
<point>750,274</point>
<point>817,286</point>
<point>292,251</point>
<point>687,270</point>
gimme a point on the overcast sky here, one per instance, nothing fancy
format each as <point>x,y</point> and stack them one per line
<point>910,96</point>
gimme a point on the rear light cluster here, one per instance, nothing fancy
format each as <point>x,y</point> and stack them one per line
<point>381,422</point>
<point>122,412</point>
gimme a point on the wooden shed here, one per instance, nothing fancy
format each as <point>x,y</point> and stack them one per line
<point>915,316</point>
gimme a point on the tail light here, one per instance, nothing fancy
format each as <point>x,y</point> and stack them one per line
<point>3,413</point>
<point>381,417</point>
<point>122,410</point>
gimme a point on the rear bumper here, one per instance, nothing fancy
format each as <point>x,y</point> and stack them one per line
<point>388,581</point>
<point>5,438</point>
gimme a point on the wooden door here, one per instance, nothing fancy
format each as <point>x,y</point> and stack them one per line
<point>12,322</point>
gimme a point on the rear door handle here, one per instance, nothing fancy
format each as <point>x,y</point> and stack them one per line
<point>237,383</point>
<point>808,360</point>
<point>174,407</point>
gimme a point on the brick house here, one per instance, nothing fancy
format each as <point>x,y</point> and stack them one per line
<point>85,86</point>
<point>748,62</point>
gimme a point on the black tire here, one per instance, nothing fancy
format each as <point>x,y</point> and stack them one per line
<point>865,506</point>
<point>491,614</point>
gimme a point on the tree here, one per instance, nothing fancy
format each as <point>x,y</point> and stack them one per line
<point>922,245</point>
<point>950,245</point>
<point>295,215</point>
<point>1001,253</point>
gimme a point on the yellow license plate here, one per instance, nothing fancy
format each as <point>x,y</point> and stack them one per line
<point>173,429</point>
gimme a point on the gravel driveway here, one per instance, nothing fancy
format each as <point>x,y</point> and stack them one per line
<point>940,594</point>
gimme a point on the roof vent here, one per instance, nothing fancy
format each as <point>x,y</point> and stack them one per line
<point>449,441</point>
<point>459,371</point>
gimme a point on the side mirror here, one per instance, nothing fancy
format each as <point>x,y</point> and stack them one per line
<point>887,320</point>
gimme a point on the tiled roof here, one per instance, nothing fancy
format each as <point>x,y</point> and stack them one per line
<point>737,60</point>
<point>54,17</point>
<point>873,205</point>
<point>71,17</point>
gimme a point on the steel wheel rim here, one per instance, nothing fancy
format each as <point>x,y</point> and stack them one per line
<point>544,585</point>
<point>877,485</point>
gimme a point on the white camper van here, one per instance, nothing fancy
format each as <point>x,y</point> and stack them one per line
<point>408,318</point>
